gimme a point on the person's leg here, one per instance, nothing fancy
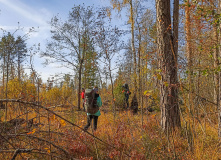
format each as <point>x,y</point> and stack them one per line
<point>83,105</point>
<point>127,101</point>
<point>89,119</point>
<point>95,122</point>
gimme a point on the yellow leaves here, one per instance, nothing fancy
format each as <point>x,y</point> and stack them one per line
<point>125,2</point>
<point>32,132</point>
<point>15,88</point>
<point>158,70</point>
<point>155,95</point>
<point>148,92</point>
<point>116,5</point>
<point>48,150</point>
<point>159,77</point>
<point>129,21</point>
<point>62,122</point>
<point>108,12</point>
<point>166,83</point>
<point>52,118</point>
<point>153,116</point>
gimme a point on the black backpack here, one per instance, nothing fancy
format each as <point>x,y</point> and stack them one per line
<point>126,87</point>
<point>91,101</point>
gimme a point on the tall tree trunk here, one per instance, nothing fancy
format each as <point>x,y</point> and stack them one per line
<point>139,71</point>
<point>112,83</point>
<point>3,70</point>
<point>139,67</point>
<point>219,98</point>
<point>19,67</point>
<point>170,117</point>
<point>215,64</point>
<point>133,46</point>
<point>216,61</point>
<point>6,89</point>
<point>189,56</point>
<point>79,86</point>
<point>79,74</point>
<point>175,29</point>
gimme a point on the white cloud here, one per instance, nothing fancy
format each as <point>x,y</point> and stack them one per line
<point>8,28</point>
<point>27,12</point>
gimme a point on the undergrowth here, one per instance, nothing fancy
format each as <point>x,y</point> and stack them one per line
<point>124,137</point>
<point>121,136</point>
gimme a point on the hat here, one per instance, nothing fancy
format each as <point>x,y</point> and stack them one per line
<point>95,89</point>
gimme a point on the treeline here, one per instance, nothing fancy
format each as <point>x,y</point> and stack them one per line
<point>96,50</point>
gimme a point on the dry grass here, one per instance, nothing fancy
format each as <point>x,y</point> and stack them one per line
<point>121,137</point>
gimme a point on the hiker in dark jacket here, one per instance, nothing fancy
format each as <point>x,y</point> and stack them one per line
<point>126,92</point>
<point>95,115</point>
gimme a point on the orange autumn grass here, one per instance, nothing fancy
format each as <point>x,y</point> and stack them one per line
<point>126,135</point>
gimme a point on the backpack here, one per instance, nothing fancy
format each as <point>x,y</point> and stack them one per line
<point>126,86</point>
<point>90,101</point>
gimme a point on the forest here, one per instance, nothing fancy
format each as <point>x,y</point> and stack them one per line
<point>168,55</point>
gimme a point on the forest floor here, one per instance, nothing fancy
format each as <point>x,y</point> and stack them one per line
<point>129,136</point>
<point>119,137</point>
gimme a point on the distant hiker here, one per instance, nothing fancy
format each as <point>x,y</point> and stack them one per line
<point>83,97</point>
<point>126,92</point>
<point>92,104</point>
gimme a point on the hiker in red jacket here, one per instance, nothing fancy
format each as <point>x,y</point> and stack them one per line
<point>83,96</point>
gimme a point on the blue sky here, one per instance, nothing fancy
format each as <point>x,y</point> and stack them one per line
<point>37,14</point>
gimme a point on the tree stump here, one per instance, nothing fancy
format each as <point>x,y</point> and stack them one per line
<point>134,104</point>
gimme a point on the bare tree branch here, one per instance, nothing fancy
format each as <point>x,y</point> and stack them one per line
<point>31,104</point>
<point>17,151</point>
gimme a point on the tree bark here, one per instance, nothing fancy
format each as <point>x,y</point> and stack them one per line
<point>79,87</point>
<point>189,55</point>
<point>79,73</point>
<point>167,49</point>
<point>133,46</point>
<point>219,89</point>
<point>19,67</point>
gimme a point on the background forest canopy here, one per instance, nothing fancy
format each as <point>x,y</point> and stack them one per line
<point>86,43</point>
<point>168,55</point>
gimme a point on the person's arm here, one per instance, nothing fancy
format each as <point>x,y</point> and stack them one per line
<point>99,102</point>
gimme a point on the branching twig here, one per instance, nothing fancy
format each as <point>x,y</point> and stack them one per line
<point>31,104</point>
<point>17,151</point>
<point>44,140</point>
<point>200,96</point>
